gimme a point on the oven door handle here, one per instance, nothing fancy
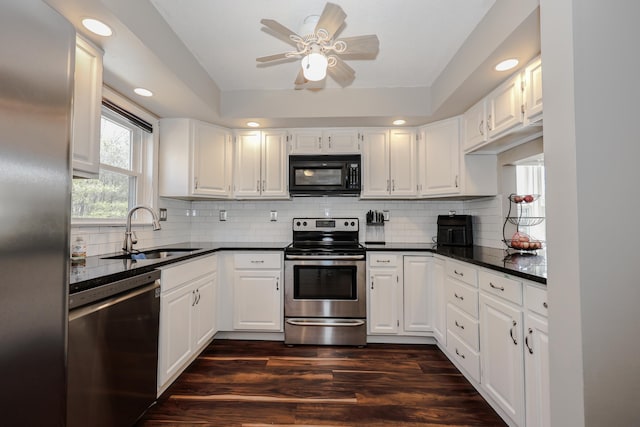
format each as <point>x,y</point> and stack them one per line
<point>325,257</point>
<point>303,322</point>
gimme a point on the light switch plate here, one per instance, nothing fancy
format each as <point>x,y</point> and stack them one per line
<point>163,214</point>
<point>273,216</point>
<point>223,215</point>
<point>386,215</point>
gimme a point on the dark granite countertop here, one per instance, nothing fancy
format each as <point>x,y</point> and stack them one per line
<point>528,266</point>
<point>96,271</point>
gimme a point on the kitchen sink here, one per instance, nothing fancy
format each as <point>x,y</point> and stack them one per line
<point>154,253</point>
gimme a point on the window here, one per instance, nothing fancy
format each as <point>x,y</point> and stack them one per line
<point>530,180</point>
<point>125,150</point>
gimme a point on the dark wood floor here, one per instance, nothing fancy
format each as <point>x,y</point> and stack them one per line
<point>260,383</point>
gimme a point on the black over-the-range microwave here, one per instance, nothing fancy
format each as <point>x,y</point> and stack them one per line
<point>324,175</point>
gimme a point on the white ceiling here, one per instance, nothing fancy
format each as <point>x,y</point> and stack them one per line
<point>198,57</point>
<point>417,38</point>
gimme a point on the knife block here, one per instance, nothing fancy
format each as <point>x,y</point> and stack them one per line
<point>375,233</point>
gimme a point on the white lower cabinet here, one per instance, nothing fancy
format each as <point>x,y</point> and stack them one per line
<point>187,315</point>
<point>502,360</point>
<point>257,292</point>
<point>536,358</point>
<point>399,294</point>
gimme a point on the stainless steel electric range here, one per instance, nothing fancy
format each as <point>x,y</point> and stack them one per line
<point>324,283</point>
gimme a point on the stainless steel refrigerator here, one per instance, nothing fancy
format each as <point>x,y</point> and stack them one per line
<point>37,48</point>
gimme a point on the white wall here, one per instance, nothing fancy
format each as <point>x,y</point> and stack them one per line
<point>591,61</point>
<point>412,221</point>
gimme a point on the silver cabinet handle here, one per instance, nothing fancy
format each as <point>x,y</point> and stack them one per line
<point>545,305</point>
<point>526,341</point>
<point>461,298</point>
<point>258,186</point>
<point>329,142</point>
<point>277,283</point>
<point>388,185</point>
<point>500,288</point>
<point>257,261</point>
<point>195,183</point>
<point>481,127</point>
<point>385,261</point>
<point>489,122</point>
<point>460,354</point>
<point>511,332</point>
<point>459,325</point>
<point>264,185</point>
<point>393,185</point>
<point>193,303</point>
<point>320,142</point>
<point>456,181</point>
<point>371,282</point>
<point>458,273</point>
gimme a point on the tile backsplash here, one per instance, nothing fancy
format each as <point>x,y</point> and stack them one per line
<point>410,221</point>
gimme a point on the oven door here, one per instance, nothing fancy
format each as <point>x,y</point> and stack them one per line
<point>325,288</point>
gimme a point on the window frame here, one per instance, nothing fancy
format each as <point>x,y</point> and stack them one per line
<point>147,190</point>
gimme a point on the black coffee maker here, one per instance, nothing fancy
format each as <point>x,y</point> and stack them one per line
<point>455,230</point>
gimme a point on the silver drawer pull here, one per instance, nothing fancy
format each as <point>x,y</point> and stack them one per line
<point>459,325</point>
<point>460,354</point>
<point>257,261</point>
<point>386,261</point>
<point>500,288</point>
<point>458,273</point>
<point>461,298</point>
<point>545,305</point>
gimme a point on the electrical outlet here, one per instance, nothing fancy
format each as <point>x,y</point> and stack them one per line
<point>386,215</point>
<point>273,216</point>
<point>163,214</point>
<point>223,215</point>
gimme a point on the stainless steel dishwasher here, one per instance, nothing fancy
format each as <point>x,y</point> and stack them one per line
<point>113,352</point>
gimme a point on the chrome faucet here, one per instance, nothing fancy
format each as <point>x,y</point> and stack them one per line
<point>130,237</point>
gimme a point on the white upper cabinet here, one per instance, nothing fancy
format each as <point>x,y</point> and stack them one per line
<point>327,141</point>
<point>389,163</point>
<point>261,165</point>
<point>533,91</point>
<point>504,107</point>
<point>87,101</point>
<point>439,158</point>
<point>475,125</point>
<point>195,159</point>
<point>503,118</point>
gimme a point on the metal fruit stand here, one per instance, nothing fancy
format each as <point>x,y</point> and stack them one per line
<point>520,241</point>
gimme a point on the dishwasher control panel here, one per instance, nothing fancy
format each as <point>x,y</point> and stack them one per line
<point>82,298</point>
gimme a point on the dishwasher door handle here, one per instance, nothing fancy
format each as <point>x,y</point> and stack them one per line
<point>100,305</point>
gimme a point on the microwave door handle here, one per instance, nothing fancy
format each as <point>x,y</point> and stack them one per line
<point>450,235</point>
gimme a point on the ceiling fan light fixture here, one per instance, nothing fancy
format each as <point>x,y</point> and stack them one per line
<point>314,66</point>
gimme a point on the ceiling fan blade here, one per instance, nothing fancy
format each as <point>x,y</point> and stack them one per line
<point>342,73</point>
<point>332,19</point>
<point>278,30</point>
<point>272,57</point>
<point>300,80</point>
<point>361,47</point>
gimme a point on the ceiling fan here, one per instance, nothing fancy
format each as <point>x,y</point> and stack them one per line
<point>320,51</point>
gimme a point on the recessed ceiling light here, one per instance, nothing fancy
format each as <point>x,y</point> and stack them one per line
<point>253,124</point>
<point>97,27</point>
<point>143,92</point>
<point>399,122</point>
<point>507,64</point>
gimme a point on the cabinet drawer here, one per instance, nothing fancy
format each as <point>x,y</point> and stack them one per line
<point>463,297</point>
<point>506,288</point>
<point>257,260</point>
<point>464,355</point>
<point>464,326</point>
<point>462,272</point>
<point>175,275</point>
<point>383,260</point>
<point>536,300</point>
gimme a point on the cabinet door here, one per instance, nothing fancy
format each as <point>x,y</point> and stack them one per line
<point>475,126</point>
<point>439,301</point>
<point>274,165</point>
<point>501,355</point>
<point>441,160</point>
<point>402,166</point>
<point>87,101</point>
<point>257,300</point>
<point>383,301</point>
<point>505,107</point>
<point>306,141</point>
<point>342,141</point>
<point>176,338</point>
<point>537,371</point>
<point>204,322</point>
<point>212,159</point>
<point>533,91</point>
<point>248,179</point>
<point>418,294</point>
<point>375,164</point>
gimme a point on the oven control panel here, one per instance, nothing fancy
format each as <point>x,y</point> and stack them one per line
<point>326,224</point>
